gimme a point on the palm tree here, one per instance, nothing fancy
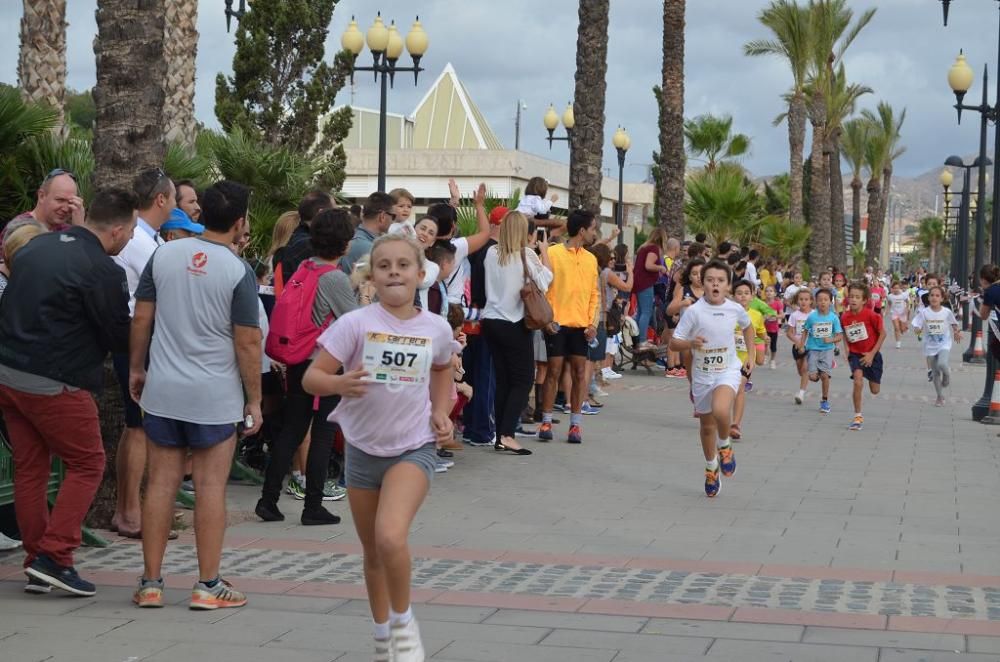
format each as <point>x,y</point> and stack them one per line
<point>587,147</point>
<point>180,48</point>
<point>670,161</point>
<point>41,65</point>
<point>875,157</point>
<point>830,34</point>
<point>712,137</point>
<point>129,94</point>
<point>858,259</point>
<point>887,126</point>
<point>783,240</point>
<point>930,235</point>
<point>840,105</point>
<point>854,138</point>
<point>789,26</point>
<point>723,204</point>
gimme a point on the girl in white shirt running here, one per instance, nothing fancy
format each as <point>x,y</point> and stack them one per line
<point>793,331</point>
<point>899,310</point>
<point>706,330</point>
<point>939,326</point>
<point>396,358</point>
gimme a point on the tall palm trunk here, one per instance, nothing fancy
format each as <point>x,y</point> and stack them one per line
<point>129,95</point>
<point>128,133</point>
<point>670,191</point>
<point>796,145</point>
<point>873,240</point>
<point>819,189</point>
<point>180,47</point>
<point>838,245</point>
<point>41,64</point>
<point>856,185</point>
<point>588,104</point>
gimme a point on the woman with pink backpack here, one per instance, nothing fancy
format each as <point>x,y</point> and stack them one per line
<point>318,293</point>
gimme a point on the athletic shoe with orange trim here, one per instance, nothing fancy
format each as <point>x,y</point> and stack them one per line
<point>545,432</point>
<point>575,435</point>
<point>712,482</point>
<point>220,596</point>
<point>727,461</point>
<point>149,593</point>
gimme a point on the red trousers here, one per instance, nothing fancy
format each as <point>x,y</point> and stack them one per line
<point>42,426</point>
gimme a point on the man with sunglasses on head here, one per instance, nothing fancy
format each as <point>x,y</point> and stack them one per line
<point>59,205</point>
<point>156,202</point>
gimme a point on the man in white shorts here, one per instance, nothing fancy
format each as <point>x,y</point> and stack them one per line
<point>706,329</point>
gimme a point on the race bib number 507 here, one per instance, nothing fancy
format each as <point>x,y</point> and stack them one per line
<point>397,360</point>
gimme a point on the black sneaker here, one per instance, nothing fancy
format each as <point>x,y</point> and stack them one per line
<point>318,517</point>
<point>441,452</point>
<point>37,586</point>
<point>268,511</point>
<point>48,571</point>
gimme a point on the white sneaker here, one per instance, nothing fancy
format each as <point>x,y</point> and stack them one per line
<point>772,366</point>
<point>899,344</point>
<point>608,373</point>
<point>406,644</point>
<point>799,397</point>
<point>8,544</point>
<point>383,650</point>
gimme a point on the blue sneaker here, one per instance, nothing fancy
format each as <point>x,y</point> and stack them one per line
<point>824,407</point>
<point>545,432</point>
<point>712,482</point>
<point>64,577</point>
<point>727,461</point>
<point>589,410</point>
<point>575,436</point>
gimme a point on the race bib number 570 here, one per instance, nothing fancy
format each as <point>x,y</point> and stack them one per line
<point>712,359</point>
<point>395,359</point>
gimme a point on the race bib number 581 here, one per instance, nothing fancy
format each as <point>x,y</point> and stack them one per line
<point>395,359</point>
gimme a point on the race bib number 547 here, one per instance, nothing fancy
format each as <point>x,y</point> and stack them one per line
<point>397,360</point>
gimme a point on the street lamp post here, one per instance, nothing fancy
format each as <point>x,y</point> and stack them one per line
<point>386,46</point>
<point>981,407</point>
<point>946,179</point>
<point>622,142</point>
<point>234,13</point>
<point>961,246</point>
<point>551,121</point>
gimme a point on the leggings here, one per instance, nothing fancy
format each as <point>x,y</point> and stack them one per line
<point>940,372</point>
<point>773,335</point>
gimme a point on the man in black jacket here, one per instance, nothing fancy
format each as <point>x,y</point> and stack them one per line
<point>65,308</point>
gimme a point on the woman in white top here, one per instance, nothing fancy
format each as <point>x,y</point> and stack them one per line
<point>503,326</point>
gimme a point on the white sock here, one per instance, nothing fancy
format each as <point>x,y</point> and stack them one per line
<point>297,475</point>
<point>802,393</point>
<point>381,630</point>
<point>722,443</point>
<point>712,464</point>
<point>400,619</point>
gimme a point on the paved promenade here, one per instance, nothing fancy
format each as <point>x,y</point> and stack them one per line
<point>880,545</point>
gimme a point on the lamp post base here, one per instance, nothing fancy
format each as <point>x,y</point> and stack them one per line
<point>981,409</point>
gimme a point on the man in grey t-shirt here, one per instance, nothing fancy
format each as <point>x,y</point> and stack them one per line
<point>203,378</point>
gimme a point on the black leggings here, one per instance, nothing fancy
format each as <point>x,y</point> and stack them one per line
<point>773,335</point>
<point>298,414</point>
<point>514,369</point>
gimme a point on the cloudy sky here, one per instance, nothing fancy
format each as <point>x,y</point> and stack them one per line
<point>510,50</point>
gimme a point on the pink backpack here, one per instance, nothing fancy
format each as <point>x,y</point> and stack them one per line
<point>292,335</point>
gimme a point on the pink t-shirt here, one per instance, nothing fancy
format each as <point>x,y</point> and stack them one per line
<point>389,419</point>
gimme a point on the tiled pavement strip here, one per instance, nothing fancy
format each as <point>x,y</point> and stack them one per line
<point>826,545</point>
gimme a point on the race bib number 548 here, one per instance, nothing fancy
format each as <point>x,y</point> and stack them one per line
<point>395,359</point>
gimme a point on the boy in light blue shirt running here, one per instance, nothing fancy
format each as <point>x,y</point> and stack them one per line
<point>821,333</point>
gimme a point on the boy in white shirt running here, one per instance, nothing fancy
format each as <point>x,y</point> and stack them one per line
<point>706,330</point>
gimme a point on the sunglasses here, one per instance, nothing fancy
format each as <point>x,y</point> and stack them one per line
<point>59,171</point>
<point>160,176</point>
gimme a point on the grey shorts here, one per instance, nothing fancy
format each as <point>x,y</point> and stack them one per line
<point>538,340</point>
<point>820,360</point>
<point>366,471</point>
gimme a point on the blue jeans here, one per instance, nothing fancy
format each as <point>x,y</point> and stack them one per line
<point>478,414</point>
<point>644,311</point>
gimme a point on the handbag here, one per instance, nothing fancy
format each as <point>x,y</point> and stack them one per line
<point>537,309</point>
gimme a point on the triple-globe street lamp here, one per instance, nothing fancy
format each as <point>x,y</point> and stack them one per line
<point>386,46</point>
<point>960,83</point>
